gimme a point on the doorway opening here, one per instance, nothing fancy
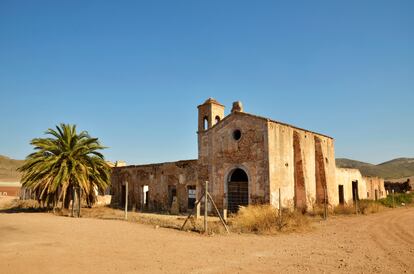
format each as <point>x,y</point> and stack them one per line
<point>172,192</point>
<point>123,194</point>
<point>237,190</point>
<point>355,195</point>
<point>341,194</point>
<point>191,196</point>
<point>145,197</point>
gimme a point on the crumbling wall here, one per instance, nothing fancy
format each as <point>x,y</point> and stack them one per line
<point>159,178</point>
<point>345,177</point>
<point>320,173</point>
<point>292,162</point>
<point>375,188</point>
<point>300,191</point>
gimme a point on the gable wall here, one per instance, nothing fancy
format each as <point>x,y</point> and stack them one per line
<point>219,154</point>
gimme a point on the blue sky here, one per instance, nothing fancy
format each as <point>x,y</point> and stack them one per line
<point>133,72</point>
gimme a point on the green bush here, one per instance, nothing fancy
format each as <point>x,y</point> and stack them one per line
<point>399,199</point>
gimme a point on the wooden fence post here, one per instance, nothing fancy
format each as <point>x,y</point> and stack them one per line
<point>126,200</point>
<point>205,207</point>
<point>79,202</point>
<point>356,202</point>
<point>73,201</point>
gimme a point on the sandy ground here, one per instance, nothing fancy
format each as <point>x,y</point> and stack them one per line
<point>44,243</point>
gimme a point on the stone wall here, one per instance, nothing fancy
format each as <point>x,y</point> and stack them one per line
<point>272,154</point>
<point>220,154</point>
<point>160,179</point>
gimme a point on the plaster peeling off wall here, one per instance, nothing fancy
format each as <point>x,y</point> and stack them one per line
<point>300,192</point>
<point>320,172</point>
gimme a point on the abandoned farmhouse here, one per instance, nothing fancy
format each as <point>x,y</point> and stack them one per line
<point>246,159</point>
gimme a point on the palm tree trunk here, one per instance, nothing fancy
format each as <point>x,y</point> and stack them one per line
<point>73,202</point>
<point>79,202</point>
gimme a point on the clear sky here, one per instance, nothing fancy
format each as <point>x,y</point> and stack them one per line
<point>133,72</point>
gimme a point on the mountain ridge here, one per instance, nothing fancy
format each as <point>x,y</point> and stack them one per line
<point>8,168</point>
<point>393,169</point>
<point>402,167</point>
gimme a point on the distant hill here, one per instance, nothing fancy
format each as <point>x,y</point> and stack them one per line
<point>8,169</point>
<point>394,169</point>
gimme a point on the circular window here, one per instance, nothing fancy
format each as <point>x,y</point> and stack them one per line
<point>236,135</point>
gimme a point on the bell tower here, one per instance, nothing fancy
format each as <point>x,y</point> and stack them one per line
<point>209,113</point>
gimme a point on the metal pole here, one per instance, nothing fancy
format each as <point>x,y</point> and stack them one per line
<point>126,200</point>
<point>205,207</point>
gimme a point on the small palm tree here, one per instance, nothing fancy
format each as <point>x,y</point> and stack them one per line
<point>64,162</point>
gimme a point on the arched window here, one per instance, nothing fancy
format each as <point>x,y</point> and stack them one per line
<point>205,122</point>
<point>239,175</point>
<point>217,119</point>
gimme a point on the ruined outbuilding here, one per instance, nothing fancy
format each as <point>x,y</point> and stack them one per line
<point>246,159</point>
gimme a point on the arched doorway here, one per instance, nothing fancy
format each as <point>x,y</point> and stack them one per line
<point>237,190</point>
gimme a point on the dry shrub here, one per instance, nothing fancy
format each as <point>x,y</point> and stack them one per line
<point>28,205</point>
<point>369,206</point>
<point>344,210</point>
<point>364,207</point>
<point>317,210</point>
<point>264,219</point>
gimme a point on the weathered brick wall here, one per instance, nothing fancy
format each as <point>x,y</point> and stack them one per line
<point>158,178</point>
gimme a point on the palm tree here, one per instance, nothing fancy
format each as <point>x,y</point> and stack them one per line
<point>64,162</point>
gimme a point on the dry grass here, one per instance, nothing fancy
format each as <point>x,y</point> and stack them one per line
<point>317,210</point>
<point>364,207</point>
<point>260,219</point>
<point>369,207</point>
<point>264,219</point>
<point>154,219</point>
<point>17,205</point>
<point>344,210</point>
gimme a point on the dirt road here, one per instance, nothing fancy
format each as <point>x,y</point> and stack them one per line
<point>43,243</point>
